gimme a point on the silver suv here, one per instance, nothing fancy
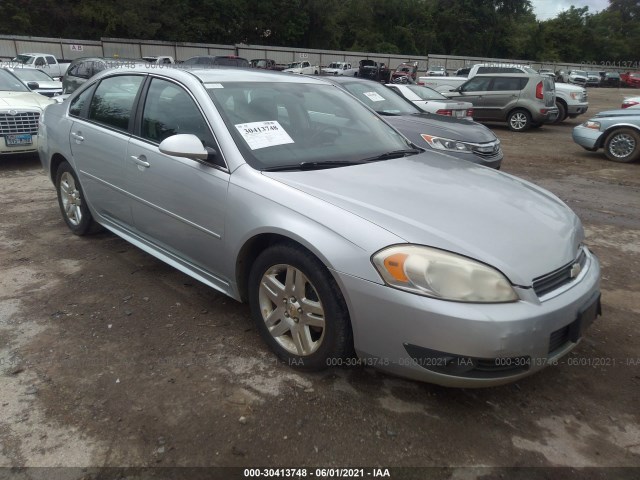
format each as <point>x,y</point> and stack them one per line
<point>521,100</point>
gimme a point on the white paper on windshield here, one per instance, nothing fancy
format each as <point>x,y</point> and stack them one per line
<point>263,134</point>
<point>374,96</point>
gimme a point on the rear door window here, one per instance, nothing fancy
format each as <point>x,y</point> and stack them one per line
<point>113,101</point>
<point>501,84</point>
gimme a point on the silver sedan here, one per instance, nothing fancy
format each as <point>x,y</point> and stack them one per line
<point>350,244</point>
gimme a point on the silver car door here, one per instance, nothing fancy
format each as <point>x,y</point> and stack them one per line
<point>178,203</point>
<point>98,139</point>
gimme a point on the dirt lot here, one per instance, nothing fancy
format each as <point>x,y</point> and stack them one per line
<point>111,358</point>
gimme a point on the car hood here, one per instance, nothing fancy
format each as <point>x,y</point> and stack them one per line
<point>23,100</point>
<point>565,87</point>
<point>621,112</point>
<point>435,200</point>
<point>412,126</point>
<point>50,85</point>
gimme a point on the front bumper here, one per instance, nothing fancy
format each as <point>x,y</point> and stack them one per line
<point>588,138</point>
<point>388,324</point>
<point>579,109</point>
<point>8,150</point>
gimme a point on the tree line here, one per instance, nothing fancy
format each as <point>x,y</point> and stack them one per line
<point>488,28</point>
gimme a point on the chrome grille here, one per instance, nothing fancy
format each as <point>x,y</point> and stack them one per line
<point>21,122</point>
<point>487,150</point>
<point>549,282</point>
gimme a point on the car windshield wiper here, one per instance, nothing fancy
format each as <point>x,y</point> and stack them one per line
<point>394,154</point>
<point>312,165</point>
<point>388,114</point>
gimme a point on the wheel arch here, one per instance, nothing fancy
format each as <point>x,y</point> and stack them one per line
<point>255,245</point>
<point>54,164</point>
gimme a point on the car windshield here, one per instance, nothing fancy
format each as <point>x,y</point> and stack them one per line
<point>288,124</point>
<point>32,75</point>
<point>380,98</point>
<point>580,72</point>
<point>295,65</point>
<point>23,58</point>
<point>426,93</point>
<point>335,65</point>
<point>10,83</point>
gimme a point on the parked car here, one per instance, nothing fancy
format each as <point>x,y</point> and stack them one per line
<point>461,72</point>
<point>20,111</point>
<point>84,68</point>
<point>456,137</point>
<point>217,60</point>
<point>49,63</point>
<point>409,70</point>
<point>615,131</point>
<point>571,100</point>
<point>437,71</point>
<point>37,80</point>
<point>631,102</point>
<point>630,79</point>
<point>547,72</point>
<point>340,234</point>
<point>577,77</point>
<point>611,79</point>
<point>266,64</point>
<point>433,102</point>
<point>374,71</point>
<point>303,68</point>
<point>593,79</point>
<point>340,68</point>
<point>159,60</point>
<point>521,100</point>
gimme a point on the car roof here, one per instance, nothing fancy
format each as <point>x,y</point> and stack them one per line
<point>216,74</point>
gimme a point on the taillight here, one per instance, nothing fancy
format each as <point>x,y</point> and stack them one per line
<point>420,83</point>
<point>628,104</point>
<point>448,113</point>
<point>470,112</point>
<point>539,90</point>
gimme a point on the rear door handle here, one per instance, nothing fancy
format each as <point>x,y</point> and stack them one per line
<point>141,161</point>
<point>78,138</point>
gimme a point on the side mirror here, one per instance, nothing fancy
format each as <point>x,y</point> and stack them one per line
<point>33,85</point>
<point>184,145</point>
<point>190,146</point>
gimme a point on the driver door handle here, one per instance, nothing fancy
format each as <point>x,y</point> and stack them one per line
<point>78,138</point>
<point>141,160</point>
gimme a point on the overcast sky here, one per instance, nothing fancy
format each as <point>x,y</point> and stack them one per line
<point>545,9</point>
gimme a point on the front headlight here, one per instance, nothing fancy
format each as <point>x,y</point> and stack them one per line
<point>436,273</point>
<point>591,124</point>
<point>440,143</point>
<point>576,95</point>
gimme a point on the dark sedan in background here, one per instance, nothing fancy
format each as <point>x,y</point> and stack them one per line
<point>459,138</point>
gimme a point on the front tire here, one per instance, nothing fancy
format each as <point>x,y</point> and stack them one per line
<point>623,145</point>
<point>519,120</point>
<point>72,203</point>
<point>562,113</point>
<point>298,308</point>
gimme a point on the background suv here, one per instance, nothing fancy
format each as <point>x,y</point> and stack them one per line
<point>521,100</point>
<point>82,69</point>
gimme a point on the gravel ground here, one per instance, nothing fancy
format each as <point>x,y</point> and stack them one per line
<point>109,357</point>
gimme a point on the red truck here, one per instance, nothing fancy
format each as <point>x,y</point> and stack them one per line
<point>630,79</point>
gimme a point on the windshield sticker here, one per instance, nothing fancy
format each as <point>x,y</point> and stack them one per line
<point>374,96</point>
<point>213,85</point>
<point>263,134</point>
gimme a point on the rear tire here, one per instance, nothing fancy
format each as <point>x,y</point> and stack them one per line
<point>623,145</point>
<point>298,308</point>
<point>519,120</point>
<point>71,200</point>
